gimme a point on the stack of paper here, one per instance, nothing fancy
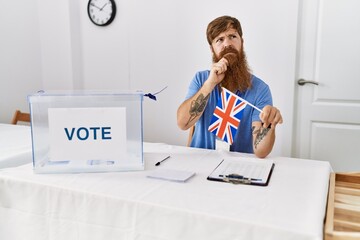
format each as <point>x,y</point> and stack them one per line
<point>171,175</point>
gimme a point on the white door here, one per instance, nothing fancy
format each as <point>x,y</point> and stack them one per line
<point>328,114</point>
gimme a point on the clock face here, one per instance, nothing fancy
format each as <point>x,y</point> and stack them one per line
<point>101,12</point>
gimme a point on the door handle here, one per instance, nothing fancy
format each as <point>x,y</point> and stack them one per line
<point>302,82</point>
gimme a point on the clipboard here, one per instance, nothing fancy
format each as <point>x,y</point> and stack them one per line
<point>243,171</point>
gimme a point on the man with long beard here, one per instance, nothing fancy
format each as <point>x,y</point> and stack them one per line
<point>256,132</point>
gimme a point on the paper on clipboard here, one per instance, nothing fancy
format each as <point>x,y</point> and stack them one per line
<point>245,171</point>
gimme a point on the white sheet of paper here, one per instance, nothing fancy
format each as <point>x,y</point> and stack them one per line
<point>248,168</point>
<point>171,174</point>
<point>87,133</point>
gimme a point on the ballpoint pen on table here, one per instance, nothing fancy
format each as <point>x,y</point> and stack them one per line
<point>158,163</point>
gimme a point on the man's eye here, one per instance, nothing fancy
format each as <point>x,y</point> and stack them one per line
<point>219,40</point>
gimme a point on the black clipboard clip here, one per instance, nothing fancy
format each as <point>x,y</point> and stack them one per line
<point>239,179</point>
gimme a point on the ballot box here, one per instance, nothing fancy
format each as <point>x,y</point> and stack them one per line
<point>86,131</point>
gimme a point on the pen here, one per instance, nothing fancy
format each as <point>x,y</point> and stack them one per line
<point>158,163</point>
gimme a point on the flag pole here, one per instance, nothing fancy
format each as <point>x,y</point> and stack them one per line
<point>252,105</point>
<point>245,101</point>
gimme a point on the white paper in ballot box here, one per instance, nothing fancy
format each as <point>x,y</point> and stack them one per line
<point>87,132</point>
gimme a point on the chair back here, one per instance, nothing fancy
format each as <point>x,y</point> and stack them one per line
<point>191,133</point>
<point>20,117</point>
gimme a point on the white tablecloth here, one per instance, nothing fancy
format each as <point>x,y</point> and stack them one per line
<point>128,205</point>
<point>15,145</point>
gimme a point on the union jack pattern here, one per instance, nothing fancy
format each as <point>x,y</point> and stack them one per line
<point>227,115</point>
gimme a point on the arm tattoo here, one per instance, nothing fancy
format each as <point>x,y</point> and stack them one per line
<point>260,134</point>
<point>197,107</point>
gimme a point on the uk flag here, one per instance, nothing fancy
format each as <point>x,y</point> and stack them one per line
<point>227,116</point>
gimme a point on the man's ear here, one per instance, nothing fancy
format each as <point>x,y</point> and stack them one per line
<point>211,49</point>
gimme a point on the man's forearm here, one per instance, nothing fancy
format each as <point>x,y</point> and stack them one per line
<point>263,140</point>
<point>191,110</point>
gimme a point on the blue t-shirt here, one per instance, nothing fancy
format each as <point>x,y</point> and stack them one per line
<point>259,95</point>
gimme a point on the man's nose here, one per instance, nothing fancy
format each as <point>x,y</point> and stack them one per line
<point>227,43</point>
<point>227,46</point>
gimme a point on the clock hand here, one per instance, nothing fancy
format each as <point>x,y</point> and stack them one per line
<point>93,4</point>
<point>103,6</point>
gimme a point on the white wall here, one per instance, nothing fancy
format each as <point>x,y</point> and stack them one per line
<point>150,45</point>
<point>20,59</point>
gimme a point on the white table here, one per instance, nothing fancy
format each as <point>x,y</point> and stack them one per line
<point>15,145</point>
<point>128,205</point>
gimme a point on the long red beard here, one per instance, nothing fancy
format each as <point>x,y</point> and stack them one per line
<point>238,74</point>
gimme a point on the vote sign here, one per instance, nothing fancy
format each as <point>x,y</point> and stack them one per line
<point>87,133</point>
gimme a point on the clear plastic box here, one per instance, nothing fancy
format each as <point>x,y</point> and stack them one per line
<point>86,131</point>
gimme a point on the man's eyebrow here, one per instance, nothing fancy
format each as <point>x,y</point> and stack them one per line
<point>232,33</point>
<point>217,38</point>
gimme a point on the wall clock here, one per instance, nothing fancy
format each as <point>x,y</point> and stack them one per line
<point>101,12</point>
